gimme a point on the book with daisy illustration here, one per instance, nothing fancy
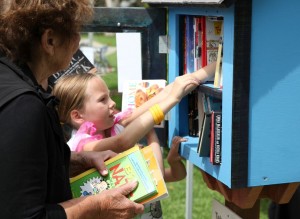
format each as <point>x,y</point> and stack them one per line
<point>127,166</point>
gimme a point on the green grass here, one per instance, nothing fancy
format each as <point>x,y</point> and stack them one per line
<point>102,38</point>
<point>174,205</point>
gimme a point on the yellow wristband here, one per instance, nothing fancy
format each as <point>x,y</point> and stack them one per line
<point>157,114</point>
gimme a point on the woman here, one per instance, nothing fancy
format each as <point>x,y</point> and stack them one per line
<point>37,39</point>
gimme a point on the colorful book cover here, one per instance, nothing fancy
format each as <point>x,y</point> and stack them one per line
<point>79,64</point>
<point>137,92</point>
<point>214,32</point>
<point>127,166</point>
<point>198,43</point>
<point>156,175</point>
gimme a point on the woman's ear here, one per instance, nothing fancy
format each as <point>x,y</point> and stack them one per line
<point>76,117</point>
<point>48,41</point>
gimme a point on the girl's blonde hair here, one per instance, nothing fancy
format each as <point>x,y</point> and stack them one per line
<point>70,90</point>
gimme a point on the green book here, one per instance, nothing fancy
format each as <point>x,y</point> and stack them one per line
<point>125,167</point>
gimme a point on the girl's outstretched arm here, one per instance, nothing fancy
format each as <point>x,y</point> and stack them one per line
<point>200,75</point>
<point>143,123</point>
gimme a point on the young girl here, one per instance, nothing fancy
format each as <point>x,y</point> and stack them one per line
<point>86,106</point>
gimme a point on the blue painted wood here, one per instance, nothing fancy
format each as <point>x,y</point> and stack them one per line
<point>274,118</point>
<point>274,93</point>
<point>178,116</point>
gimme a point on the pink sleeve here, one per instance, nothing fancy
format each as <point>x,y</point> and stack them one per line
<point>86,134</point>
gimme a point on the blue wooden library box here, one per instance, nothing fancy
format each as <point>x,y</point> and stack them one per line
<point>260,93</point>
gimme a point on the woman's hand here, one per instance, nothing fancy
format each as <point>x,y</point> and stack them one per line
<point>115,204</point>
<point>81,161</point>
<point>112,203</point>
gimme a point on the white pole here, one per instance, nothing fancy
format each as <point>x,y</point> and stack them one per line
<point>189,190</point>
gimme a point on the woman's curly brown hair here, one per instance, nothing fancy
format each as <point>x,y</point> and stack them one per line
<point>22,23</point>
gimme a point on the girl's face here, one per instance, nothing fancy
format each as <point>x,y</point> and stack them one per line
<point>98,107</point>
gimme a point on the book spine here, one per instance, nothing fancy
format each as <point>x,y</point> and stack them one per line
<point>189,40</point>
<point>193,114</point>
<point>212,137</point>
<point>203,41</point>
<point>197,43</point>
<point>217,138</point>
<point>218,67</point>
<point>185,56</point>
<point>204,138</point>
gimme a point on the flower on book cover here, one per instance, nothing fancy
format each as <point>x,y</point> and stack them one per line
<point>94,186</point>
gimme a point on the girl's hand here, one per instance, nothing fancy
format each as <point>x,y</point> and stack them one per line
<point>183,85</point>
<point>173,155</point>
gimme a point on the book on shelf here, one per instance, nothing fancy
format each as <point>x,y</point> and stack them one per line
<point>79,64</point>
<point>189,52</point>
<point>201,110</point>
<point>213,104</point>
<point>214,36</point>
<point>216,138</point>
<point>124,167</point>
<point>203,41</point>
<point>156,174</point>
<point>218,71</point>
<point>137,92</point>
<point>205,135</point>
<point>193,114</point>
<point>197,42</point>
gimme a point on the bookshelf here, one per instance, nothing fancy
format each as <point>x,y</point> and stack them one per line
<point>261,77</point>
<point>177,124</point>
<point>259,106</point>
<point>255,91</point>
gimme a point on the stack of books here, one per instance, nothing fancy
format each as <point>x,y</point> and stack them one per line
<point>134,164</point>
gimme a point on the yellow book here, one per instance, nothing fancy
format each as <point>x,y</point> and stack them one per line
<point>155,174</point>
<point>218,72</point>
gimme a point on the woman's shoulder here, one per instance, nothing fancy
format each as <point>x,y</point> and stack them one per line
<point>27,104</point>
